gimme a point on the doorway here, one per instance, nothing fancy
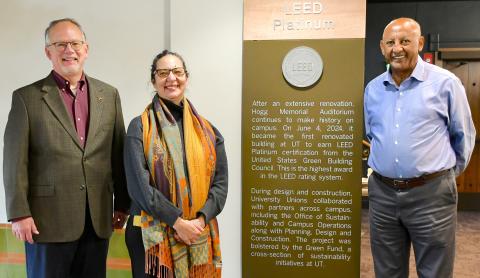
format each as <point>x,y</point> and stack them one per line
<point>466,66</point>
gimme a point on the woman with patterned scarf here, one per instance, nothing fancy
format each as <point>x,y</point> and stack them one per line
<point>177,179</point>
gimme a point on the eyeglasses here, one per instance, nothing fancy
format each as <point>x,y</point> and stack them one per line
<point>164,73</point>
<point>61,46</point>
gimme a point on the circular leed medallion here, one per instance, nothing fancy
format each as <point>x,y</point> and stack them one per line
<point>302,66</point>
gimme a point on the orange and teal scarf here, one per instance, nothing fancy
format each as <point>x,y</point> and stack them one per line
<point>164,153</point>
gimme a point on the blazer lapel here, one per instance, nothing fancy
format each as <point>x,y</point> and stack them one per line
<point>96,98</point>
<point>57,106</point>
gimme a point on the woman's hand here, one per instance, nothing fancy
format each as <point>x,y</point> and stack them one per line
<point>199,222</point>
<point>187,231</point>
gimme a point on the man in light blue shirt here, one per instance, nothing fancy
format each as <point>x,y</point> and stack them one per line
<point>419,124</point>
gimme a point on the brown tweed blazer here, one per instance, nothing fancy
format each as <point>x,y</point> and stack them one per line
<point>48,175</point>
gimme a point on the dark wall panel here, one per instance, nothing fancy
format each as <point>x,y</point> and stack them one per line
<point>456,22</point>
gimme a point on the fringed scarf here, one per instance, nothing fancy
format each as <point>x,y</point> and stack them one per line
<point>166,257</point>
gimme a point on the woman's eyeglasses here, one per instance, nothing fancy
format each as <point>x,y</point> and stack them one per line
<point>164,73</point>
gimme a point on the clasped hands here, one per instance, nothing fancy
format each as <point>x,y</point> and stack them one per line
<point>188,231</point>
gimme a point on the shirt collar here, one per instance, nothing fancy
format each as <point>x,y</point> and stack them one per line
<point>418,73</point>
<point>62,83</point>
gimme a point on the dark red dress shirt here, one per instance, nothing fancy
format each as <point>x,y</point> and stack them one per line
<point>76,104</point>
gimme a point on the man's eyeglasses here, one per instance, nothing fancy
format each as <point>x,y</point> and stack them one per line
<point>61,46</point>
<point>163,73</point>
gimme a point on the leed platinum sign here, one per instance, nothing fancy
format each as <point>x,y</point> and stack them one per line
<point>302,67</point>
<point>301,151</point>
<point>303,16</point>
<point>326,19</point>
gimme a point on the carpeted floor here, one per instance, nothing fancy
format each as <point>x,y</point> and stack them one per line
<point>467,257</point>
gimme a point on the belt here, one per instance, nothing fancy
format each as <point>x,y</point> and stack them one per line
<point>410,183</point>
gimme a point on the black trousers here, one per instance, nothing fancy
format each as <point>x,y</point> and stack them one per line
<point>83,258</point>
<point>133,239</point>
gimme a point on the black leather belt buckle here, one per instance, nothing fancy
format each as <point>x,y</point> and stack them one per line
<point>400,184</point>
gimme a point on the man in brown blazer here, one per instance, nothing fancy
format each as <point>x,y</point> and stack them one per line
<point>63,150</point>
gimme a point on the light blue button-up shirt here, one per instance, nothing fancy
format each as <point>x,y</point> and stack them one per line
<point>420,127</point>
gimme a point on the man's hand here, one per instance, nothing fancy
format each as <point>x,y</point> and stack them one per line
<point>187,231</point>
<point>23,228</point>
<point>119,219</point>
